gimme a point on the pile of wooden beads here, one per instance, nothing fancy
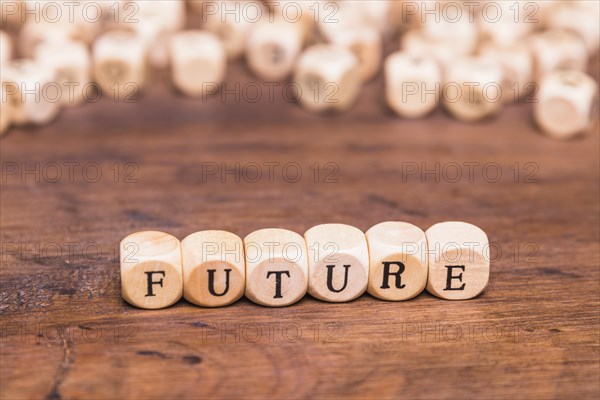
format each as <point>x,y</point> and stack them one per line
<point>333,262</point>
<point>474,57</point>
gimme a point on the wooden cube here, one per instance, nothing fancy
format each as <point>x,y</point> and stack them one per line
<point>214,268</point>
<point>6,47</point>
<point>33,33</point>
<point>398,263</point>
<point>328,78</point>
<point>543,11</point>
<point>332,20</point>
<point>232,21</point>
<point>168,14</point>
<point>460,34</point>
<point>71,67</point>
<point>366,44</point>
<point>117,14</point>
<point>591,7</point>
<point>151,271</point>
<point>198,62</point>
<point>459,260</point>
<point>412,84</point>
<point>517,68</point>
<point>581,19</point>
<point>417,44</point>
<point>506,22</point>
<point>338,262</point>
<point>301,13</point>
<point>473,88</point>
<point>156,44</point>
<point>567,104</point>
<point>11,16</point>
<point>375,13</point>
<point>5,112</point>
<point>119,63</point>
<point>157,20</point>
<point>337,16</point>
<point>557,49</point>
<point>88,29</point>
<point>29,88</point>
<point>81,21</point>
<point>273,48</point>
<point>276,267</point>
<point>197,6</point>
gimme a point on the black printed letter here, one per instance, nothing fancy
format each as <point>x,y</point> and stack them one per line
<point>150,293</point>
<point>387,273</point>
<point>211,282</point>
<point>330,278</point>
<point>278,281</point>
<point>449,277</point>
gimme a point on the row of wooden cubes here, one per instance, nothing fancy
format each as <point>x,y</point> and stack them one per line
<point>326,77</point>
<point>333,262</point>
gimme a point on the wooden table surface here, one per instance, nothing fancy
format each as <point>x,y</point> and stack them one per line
<point>72,190</point>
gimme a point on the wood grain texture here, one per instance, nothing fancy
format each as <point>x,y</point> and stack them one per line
<point>67,333</point>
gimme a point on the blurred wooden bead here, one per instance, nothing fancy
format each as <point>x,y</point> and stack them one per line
<point>157,20</point>
<point>300,13</point>
<point>232,21</point>
<point>366,44</point>
<point>517,68</point>
<point>338,262</point>
<point>505,22</point>
<point>416,44</point>
<point>328,78</point>
<point>10,14</point>
<point>214,271</point>
<point>119,63</point>
<point>33,33</point>
<point>81,22</point>
<point>557,49</point>
<point>117,14</point>
<point>28,86</point>
<point>156,44</point>
<point>168,14</point>
<point>276,267</point>
<point>198,62</point>
<point>6,47</point>
<point>151,271</point>
<point>412,84</point>
<point>5,112</point>
<point>567,104</point>
<point>459,260</point>
<point>541,11</point>
<point>352,14</point>
<point>397,261</point>
<point>472,88</point>
<point>272,49</point>
<point>337,17</point>
<point>460,34</point>
<point>579,19</point>
<point>197,6</point>
<point>591,7</point>
<point>70,64</point>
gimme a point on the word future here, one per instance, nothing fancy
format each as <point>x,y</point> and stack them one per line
<point>333,262</point>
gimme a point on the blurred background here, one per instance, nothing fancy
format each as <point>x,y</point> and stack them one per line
<point>472,59</point>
